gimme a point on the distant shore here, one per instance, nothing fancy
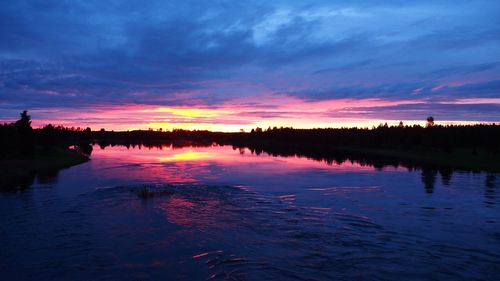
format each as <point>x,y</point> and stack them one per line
<point>18,171</point>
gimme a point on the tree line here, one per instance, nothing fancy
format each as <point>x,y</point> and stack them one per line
<point>20,137</point>
<point>391,137</point>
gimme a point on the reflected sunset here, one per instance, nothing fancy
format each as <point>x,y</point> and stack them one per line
<point>213,164</point>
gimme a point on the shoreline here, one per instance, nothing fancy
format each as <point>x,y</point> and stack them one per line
<point>18,172</point>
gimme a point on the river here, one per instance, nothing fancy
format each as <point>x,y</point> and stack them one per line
<point>218,213</point>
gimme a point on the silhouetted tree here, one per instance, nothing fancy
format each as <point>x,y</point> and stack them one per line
<point>430,121</point>
<point>23,126</point>
<point>48,136</point>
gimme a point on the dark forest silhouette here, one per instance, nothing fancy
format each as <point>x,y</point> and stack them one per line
<point>26,153</point>
<point>21,137</point>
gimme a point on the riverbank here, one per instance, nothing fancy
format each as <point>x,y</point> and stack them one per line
<point>18,172</point>
<point>465,159</point>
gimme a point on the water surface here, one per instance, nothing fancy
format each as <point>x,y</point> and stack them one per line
<point>227,214</point>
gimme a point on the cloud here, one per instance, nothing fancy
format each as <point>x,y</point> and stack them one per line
<point>409,91</point>
<point>79,54</point>
<point>419,111</point>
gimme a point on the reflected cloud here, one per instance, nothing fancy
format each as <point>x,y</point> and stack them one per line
<point>184,163</point>
<point>202,213</point>
<point>188,156</point>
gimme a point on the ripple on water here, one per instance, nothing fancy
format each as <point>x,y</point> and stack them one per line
<point>233,233</point>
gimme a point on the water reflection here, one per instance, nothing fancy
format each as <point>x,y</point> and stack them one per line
<point>446,174</point>
<point>20,180</point>
<point>307,235</point>
<point>203,207</point>
<point>182,212</point>
<point>23,181</point>
<point>490,192</point>
<point>319,242</point>
<point>84,148</point>
<point>166,158</point>
<point>17,182</point>
<point>48,177</point>
<point>189,162</point>
<point>429,178</point>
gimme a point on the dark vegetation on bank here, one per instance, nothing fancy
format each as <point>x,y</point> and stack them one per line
<point>435,147</point>
<point>27,153</point>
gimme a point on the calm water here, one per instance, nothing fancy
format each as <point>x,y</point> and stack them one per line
<point>227,214</point>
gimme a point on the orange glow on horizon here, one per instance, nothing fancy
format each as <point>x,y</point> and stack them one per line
<point>187,112</point>
<point>277,111</point>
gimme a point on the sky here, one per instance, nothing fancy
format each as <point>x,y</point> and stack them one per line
<point>231,65</point>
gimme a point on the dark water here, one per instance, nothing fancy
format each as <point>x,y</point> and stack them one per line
<point>223,214</point>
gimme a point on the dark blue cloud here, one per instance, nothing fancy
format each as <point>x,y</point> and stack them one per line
<point>440,111</point>
<point>404,91</point>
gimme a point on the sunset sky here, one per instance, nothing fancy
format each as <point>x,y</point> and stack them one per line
<point>230,65</point>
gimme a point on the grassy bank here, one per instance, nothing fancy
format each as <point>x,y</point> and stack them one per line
<point>18,171</point>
